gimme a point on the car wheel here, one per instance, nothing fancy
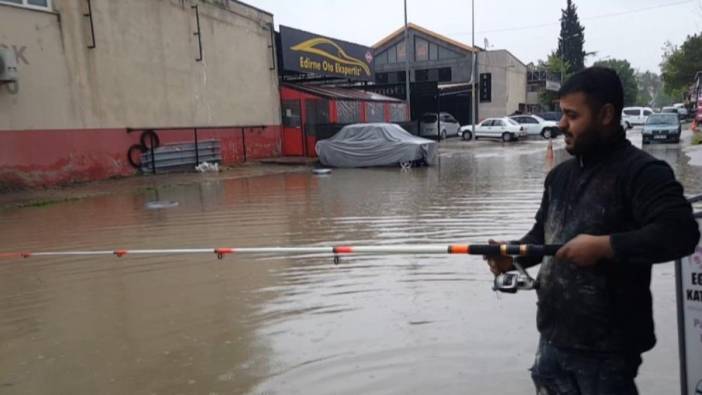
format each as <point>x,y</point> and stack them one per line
<point>546,133</point>
<point>506,137</point>
<point>467,136</point>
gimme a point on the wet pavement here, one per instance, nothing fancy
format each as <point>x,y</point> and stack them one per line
<point>299,324</point>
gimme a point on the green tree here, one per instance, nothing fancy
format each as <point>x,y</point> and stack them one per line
<point>572,39</point>
<point>680,65</point>
<point>627,75</point>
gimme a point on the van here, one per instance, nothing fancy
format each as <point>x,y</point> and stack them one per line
<point>635,115</point>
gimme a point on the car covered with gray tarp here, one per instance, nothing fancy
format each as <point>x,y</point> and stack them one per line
<point>375,144</point>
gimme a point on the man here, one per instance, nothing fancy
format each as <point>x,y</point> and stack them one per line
<point>617,210</point>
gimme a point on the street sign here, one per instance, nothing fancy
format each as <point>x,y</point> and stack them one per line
<point>689,281</point>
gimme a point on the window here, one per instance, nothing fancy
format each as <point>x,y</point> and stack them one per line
<point>635,113</point>
<point>433,74</point>
<point>375,112</point>
<point>398,112</point>
<point>445,74</point>
<point>348,112</point>
<point>531,120</point>
<point>421,49</point>
<point>382,58</point>
<point>41,4</point>
<point>647,113</point>
<point>400,76</point>
<point>392,55</point>
<point>291,113</point>
<point>447,54</point>
<point>421,75</point>
<point>448,118</point>
<point>381,78</point>
<point>401,52</point>
<point>497,123</point>
<point>433,51</point>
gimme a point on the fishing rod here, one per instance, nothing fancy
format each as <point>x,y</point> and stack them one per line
<point>505,282</point>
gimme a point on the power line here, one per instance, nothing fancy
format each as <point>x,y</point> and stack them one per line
<point>609,15</point>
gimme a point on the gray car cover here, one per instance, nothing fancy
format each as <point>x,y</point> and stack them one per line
<point>374,144</point>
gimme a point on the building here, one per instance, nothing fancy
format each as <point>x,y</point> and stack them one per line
<point>91,75</point>
<point>506,78</point>
<point>539,81</point>
<point>319,89</point>
<point>440,74</point>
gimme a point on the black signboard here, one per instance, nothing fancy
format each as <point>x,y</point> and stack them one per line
<point>314,54</point>
<point>428,88</point>
<point>485,87</point>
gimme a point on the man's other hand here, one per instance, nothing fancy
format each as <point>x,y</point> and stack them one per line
<point>586,250</point>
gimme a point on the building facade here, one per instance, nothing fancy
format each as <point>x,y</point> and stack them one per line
<point>90,72</point>
<point>447,63</point>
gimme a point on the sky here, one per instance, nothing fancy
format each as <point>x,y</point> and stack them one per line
<point>634,30</point>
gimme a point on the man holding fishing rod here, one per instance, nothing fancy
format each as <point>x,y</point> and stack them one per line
<point>617,210</point>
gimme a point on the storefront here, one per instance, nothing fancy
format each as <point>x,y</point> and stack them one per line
<point>317,91</point>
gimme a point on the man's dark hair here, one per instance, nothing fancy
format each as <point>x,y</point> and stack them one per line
<point>601,85</point>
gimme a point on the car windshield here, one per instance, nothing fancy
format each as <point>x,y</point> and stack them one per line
<point>662,119</point>
<point>429,118</point>
<point>511,121</point>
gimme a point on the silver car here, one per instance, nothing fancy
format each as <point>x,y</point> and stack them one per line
<point>661,127</point>
<point>429,124</point>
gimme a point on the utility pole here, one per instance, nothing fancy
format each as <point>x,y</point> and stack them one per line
<point>474,71</point>
<point>407,66</point>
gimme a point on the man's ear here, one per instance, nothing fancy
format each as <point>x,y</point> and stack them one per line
<point>607,115</point>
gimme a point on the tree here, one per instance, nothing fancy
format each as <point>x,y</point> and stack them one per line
<point>627,75</point>
<point>649,84</point>
<point>680,65</point>
<point>572,39</point>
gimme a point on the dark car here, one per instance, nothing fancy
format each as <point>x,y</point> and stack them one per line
<point>661,127</point>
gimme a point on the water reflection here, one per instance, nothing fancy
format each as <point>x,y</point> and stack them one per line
<point>299,324</point>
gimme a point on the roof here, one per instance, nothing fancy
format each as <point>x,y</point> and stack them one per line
<point>342,93</point>
<point>429,33</point>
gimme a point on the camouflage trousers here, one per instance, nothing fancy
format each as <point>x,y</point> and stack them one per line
<point>559,371</point>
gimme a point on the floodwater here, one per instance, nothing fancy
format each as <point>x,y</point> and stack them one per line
<point>193,324</point>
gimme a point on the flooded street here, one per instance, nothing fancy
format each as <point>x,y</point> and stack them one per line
<point>193,324</point>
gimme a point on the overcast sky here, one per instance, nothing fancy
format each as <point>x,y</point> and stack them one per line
<point>634,30</point>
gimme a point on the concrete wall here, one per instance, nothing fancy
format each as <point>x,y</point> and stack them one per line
<point>508,83</point>
<point>143,70</point>
<point>66,118</point>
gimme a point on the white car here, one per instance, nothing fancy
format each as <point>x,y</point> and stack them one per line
<point>537,126</point>
<point>503,128</point>
<point>428,125</point>
<point>635,115</point>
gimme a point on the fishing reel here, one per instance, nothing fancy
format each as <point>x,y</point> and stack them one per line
<point>513,282</point>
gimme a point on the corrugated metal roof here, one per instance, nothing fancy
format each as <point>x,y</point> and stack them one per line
<point>342,93</point>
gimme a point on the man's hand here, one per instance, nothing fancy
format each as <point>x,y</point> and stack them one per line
<point>499,264</point>
<point>586,250</point>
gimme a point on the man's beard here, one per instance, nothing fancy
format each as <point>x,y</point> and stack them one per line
<point>586,142</point>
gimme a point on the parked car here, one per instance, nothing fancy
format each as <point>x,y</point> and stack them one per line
<point>428,125</point>
<point>682,110</point>
<point>537,126</point>
<point>635,115</point>
<point>375,144</point>
<point>551,115</point>
<point>663,127</point>
<point>503,128</point>
<point>671,110</point>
